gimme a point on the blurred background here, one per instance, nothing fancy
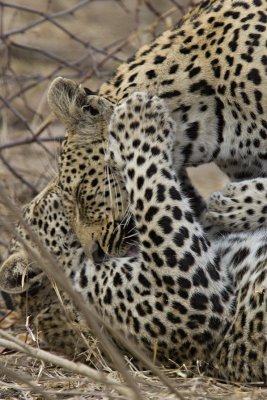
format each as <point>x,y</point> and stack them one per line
<point>84,40</point>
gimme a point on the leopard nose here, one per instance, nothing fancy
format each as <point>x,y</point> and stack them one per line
<point>98,254</point>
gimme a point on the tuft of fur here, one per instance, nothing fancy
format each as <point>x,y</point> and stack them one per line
<point>82,112</point>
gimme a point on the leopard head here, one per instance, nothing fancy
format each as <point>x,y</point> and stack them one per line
<point>94,196</point>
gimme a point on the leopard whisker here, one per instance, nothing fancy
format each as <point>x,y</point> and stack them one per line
<point>116,186</point>
<point>124,221</point>
<point>130,236</point>
<point>109,186</point>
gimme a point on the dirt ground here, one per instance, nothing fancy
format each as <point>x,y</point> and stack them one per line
<point>83,40</point>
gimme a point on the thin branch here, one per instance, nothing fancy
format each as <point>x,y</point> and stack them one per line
<point>45,53</point>
<point>33,85</point>
<point>3,243</point>
<point>22,142</point>
<point>18,175</point>
<point>17,114</point>
<point>26,379</point>
<point>179,6</point>
<point>48,121</point>
<point>52,20</point>
<point>21,118</point>
<point>105,59</point>
<point>83,43</point>
<point>152,8</point>
<point>10,342</point>
<point>45,17</point>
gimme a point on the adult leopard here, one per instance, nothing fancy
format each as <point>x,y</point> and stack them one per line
<point>192,298</point>
<point>212,72</point>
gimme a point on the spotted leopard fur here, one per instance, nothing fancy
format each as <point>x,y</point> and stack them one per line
<point>240,206</point>
<point>211,71</point>
<point>233,359</point>
<point>197,299</point>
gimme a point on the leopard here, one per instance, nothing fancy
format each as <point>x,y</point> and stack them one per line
<point>35,297</point>
<point>211,70</point>
<point>85,177</point>
<point>241,310</point>
<point>100,189</point>
<point>238,206</point>
<point>191,296</point>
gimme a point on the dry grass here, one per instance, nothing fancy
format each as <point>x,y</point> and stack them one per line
<point>63,384</point>
<point>84,40</point>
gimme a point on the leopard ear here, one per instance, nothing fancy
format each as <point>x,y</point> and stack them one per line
<point>65,98</point>
<point>79,109</point>
<point>16,276</point>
